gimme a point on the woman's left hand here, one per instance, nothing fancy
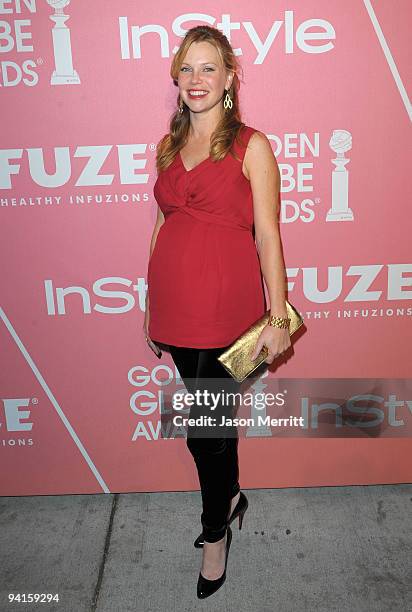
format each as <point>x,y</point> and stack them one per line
<point>276,339</point>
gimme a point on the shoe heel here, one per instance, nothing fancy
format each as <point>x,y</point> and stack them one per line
<point>241,520</point>
<point>207,587</point>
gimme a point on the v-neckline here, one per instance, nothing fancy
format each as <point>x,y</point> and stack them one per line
<point>194,167</point>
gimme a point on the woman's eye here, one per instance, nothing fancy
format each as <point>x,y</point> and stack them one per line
<point>183,68</point>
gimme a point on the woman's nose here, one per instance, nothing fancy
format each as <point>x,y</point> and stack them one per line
<point>195,77</point>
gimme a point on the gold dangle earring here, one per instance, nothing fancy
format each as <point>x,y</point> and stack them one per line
<point>227,103</point>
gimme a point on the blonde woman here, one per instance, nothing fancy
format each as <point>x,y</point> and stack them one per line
<point>215,236</point>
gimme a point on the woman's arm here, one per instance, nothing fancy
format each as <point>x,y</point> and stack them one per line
<point>158,224</point>
<point>264,176</point>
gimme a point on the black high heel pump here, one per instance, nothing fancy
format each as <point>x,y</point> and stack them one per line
<point>207,587</point>
<point>238,511</point>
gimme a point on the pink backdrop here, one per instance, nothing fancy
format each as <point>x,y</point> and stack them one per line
<point>77,168</point>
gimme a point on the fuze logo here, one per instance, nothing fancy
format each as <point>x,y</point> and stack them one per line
<point>393,284</point>
<point>291,34</point>
<point>14,415</point>
<point>97,155</point>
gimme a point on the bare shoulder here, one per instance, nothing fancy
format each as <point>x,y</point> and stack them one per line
<point>259,153</point>
<point>259,144</point>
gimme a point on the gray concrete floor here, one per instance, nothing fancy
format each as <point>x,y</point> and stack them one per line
<point>300,549</point>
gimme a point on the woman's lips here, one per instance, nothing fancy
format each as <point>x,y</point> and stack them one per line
<point>194,96</point>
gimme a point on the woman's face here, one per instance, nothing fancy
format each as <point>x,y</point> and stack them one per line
<point>202,70</point>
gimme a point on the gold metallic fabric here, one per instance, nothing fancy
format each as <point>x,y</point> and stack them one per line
<point>236,358</point>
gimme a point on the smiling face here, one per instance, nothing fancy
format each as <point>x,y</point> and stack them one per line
<point>202,77</point>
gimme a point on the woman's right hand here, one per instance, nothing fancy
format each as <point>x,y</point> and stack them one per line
<point>146,320</point>
<point>150,342</point>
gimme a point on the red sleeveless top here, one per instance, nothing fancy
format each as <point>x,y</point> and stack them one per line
<point>204,278</point>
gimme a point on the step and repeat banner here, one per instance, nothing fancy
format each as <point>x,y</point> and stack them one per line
<point>85,95</point>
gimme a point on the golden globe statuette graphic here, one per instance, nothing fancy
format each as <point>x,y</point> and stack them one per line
<point>64,73</point>
<point>340,142</point>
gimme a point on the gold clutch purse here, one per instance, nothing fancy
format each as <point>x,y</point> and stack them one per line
<point>236,359</point>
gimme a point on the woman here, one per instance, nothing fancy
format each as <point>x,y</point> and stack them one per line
<point>217,181</point>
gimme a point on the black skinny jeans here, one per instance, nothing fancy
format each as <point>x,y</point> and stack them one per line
<point>216,458</point>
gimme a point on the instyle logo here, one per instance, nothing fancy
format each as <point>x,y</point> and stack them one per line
<point>129,167</point>
<point>319,286</point>
<point>283,33</point>
<point>355,409</point>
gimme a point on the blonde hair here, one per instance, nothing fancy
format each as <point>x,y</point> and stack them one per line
<point>229,126</point>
